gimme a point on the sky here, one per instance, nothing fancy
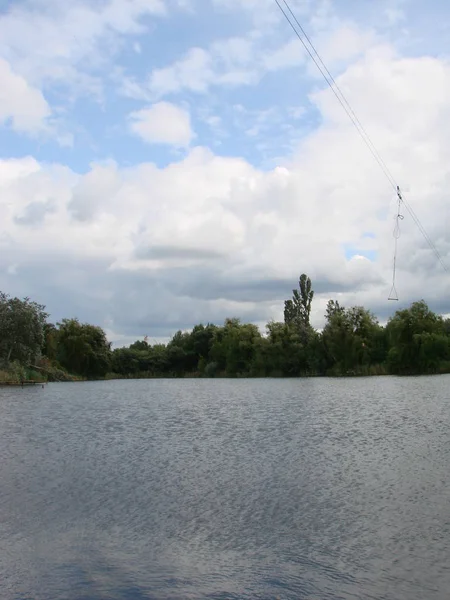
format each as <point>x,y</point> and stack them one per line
<point>170,162</point>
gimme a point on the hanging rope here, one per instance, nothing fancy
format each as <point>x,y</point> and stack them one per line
<point>399,217</point>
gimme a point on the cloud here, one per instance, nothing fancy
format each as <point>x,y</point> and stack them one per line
<point>339,45</point>
<point>142,243</point>
<point>45,40</point>
<point>395,11</point>
<point>51,54</point>
<point>176,253</point>
<point>92,192</point>
<point>244,60</point>
<point>209,236</point>
<point>290,54</point>
<point>35,213</point>
<point>21,104</point>
<point>228,62</point>
<point>163,123</point>
<point>65,50</point>
<point>193,72</point>
<point>224,64</point>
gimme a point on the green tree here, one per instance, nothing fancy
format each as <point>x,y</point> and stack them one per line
<point>181,354</point>
<point>21,329</point>
<point>202,337</point>
<point>297,311</point>
<point>125,361</point>
<point>351,338</point>
<point>333,308</point>
<point>287,354</point>
<point>234,347</point>
<point>50,345</point>
<point>140,345</point>
<point>417,339</point>
<point>83,349</point>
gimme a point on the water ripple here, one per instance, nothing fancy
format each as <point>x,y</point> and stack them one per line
<point>247,489</point>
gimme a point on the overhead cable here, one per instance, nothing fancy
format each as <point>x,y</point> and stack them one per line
<point>314,55</point>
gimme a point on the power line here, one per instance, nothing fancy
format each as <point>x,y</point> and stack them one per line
<point>342,97</point>
<point>337,92</point>
<point>357,124</point>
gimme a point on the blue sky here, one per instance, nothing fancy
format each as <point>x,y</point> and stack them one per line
<point>204,127</point>
<point>260,118</point>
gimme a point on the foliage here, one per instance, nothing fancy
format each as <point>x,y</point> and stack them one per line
<point>234,347</point>
<point>297,311</point>
<point>21,329</point>
<point>352,342</point>
<point>83,349</point>
<point>419,340</point>
<point>17,373</point>
<point>352,339</point>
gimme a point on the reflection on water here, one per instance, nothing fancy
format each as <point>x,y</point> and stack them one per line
<point>315,489</point>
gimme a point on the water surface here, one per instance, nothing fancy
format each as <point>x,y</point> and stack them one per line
<point>223,489</point>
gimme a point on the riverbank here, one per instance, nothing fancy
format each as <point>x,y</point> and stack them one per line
<point>16,374</point>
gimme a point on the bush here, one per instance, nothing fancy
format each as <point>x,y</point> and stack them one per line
<point>211,369</point>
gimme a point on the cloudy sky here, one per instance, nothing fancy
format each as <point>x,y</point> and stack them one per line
<point>168,162</point>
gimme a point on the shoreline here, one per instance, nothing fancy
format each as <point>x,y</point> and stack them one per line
<point>168,377</point>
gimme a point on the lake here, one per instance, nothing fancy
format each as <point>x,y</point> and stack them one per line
<point>320,489</point>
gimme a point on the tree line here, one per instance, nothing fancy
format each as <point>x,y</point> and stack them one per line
<point>415,340</point>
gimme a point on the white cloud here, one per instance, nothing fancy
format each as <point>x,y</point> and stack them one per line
<point>47,46</point>
<point>343,43</point>
<point>225,63</point>
<point>210,236</point>
<point>70,44</point>
<point>231,62</point>
<point>193,72</point>
<point>394,15</point>
<point>163,123</point>
<point>24,105</point>
<point>395,11</point>
<point>290,54</point>
<point>241,61</point>
<point>234,51</point>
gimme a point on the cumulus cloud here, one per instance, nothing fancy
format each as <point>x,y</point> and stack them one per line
<point>66,51</point>
<point>268,45</point>
<point>153,248</point>
<point>163,123</point>
<point>146,246</point>
<point>46,40</point>
<point>21,104</point>
<point>62,52</point>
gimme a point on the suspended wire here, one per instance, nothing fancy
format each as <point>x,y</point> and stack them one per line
<point>337,91</point>
<point>357,124</point>
<point>399,217</point>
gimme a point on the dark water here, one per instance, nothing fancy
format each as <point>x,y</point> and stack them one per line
<point>302,489</point>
